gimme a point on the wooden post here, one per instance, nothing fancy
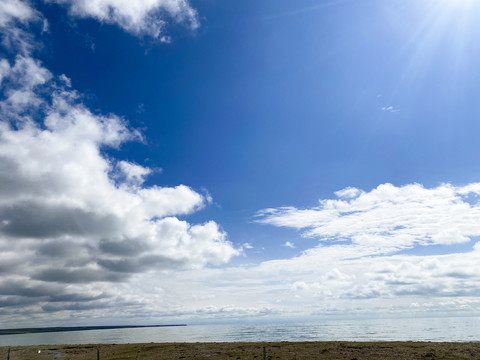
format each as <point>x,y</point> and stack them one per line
<point>264,353</point>
<point>98,354</point>
<point>8,354</point>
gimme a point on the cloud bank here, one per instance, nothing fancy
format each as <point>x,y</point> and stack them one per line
<point>379,254</point>
<point>392,251</point>
<point>360,266</point>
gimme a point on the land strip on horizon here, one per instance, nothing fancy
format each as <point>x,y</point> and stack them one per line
<point>76,328</point>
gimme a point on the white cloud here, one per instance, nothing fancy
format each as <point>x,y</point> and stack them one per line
<point>25,76</point>
<point>388,218</point>
<point>134,174</point>
<point>138,17</point>
<point>4,69</point>
<point>390,109</point>
<point>348,193</point>
<point>15,17</point>
<point>11,10</point>
<point>66,80</point>
<point>28,73</point>
<point>289,244</point>
<point>45,26</point>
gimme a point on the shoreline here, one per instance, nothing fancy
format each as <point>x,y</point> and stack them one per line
<point>250,350</point>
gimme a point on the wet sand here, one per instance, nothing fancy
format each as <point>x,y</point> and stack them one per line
<point>255,351</point>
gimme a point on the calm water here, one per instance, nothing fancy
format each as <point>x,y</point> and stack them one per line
<point>437,329</point>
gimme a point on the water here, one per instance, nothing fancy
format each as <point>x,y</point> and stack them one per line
<point>433,329</point>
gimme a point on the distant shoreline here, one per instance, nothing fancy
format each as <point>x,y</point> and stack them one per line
<point>76,328</point>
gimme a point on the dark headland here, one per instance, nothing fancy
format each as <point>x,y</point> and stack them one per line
<point>76,328</point>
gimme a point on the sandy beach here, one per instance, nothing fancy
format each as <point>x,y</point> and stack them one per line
<point>281,350</point>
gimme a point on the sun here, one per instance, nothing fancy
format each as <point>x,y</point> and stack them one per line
<point>439,32</point>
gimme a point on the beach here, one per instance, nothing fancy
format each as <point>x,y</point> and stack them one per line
<point>250,350</point>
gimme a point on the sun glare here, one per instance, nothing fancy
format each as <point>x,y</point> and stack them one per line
<point>442,25</point>
<point>440,33</point>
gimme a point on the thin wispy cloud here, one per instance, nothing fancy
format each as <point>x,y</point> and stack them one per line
<point>387,219</point>
<point>390,109</point>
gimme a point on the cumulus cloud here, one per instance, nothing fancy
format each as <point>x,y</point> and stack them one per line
<point>57,184</point>
<point>72,216</point>
<point>137,17</point>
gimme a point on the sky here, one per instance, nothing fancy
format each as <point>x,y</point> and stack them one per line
<point>202,161</point>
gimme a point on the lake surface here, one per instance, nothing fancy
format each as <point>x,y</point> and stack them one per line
<point>432,329</point>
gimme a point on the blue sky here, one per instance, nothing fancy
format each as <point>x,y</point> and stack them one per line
<point>282,102</point>
<point>203,155</point>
